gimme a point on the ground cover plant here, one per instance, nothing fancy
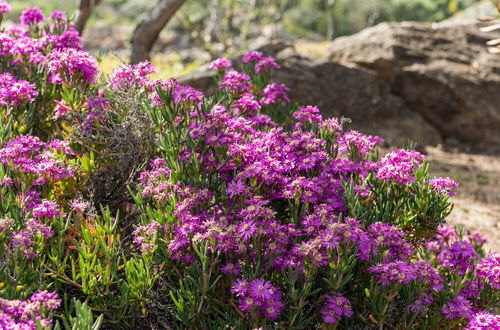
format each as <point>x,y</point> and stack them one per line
<point>128,202</point>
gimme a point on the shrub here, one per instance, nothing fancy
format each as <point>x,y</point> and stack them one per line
<point>253,211</point>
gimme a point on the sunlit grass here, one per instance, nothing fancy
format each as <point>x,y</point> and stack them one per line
<point>168,66</point>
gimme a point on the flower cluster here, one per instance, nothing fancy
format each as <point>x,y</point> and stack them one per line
<point>20,314</point>
<point>235,82</point>
<point>145,236</point>
<point>71,65</point>
<point>14,92</point>
<point>258,296</point>
<point>26,240</point>
<point>444,185</point>
<point>220,63</point>
<point>483,321</point>
<point>32,16</point>
<point>458,307</point>
<point>399,165</point>
<point>27,154</point>
<point>126,76</point>
<point>5,8</point>
<point>489,269</point>
<point>336,308</point>
<point>393,272</point>
<point>459,255</point>
<point>282,196</point>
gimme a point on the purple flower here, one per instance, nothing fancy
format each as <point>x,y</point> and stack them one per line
<point>26,239</point>
<point>31,16</point>
<point>247,104</point>
<point>428,274</point>
<point>21,314</point>
<point>68,39</point>
<point>259,295</point>
<point>457,308</point>
<point>444,185</point>
<point>61,146</point>
<point>231,268</point>
<point>422,303</point>
<point>79,205</point>
<point>391,237</point>
<point>132,75</point>
<point>235,82</point>
<point>13,92</point>
<point>354,140</point>
<point>459,255</point>
<point>252,56</point>
<point>60,109</point>
<point>260,289</point>
<point>274,93</point>
<point>46,208</point>
<point>220,63</point>
<point>399,165</point>
<point>145,236</point>
<point>336,308</point>
<point>394,272</point>
<point>47,299</point>
<point>186,94</point>
<point>246,229</point>
<point>248,303</point>
<point>58,15</point>
<point>331,125</point>
<point>489,269</point>
<point>4,7</point>
<point>272,309</point>
<point>308,114</point>
<point>72,65</point>
<point>240,287</point>
<point>235,188</point>
<point>266,64</point>
<point>483,321</point>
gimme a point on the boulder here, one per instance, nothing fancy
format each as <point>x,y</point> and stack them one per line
<point>441,71</point>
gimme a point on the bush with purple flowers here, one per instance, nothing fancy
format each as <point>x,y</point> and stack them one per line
<point>133,202</point>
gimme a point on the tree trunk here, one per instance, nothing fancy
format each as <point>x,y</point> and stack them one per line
<point>146,32</point>
<point>330,20</point>
<point>85,9</point>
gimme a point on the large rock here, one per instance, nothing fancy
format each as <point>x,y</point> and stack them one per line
<point>441,71</point>
<point>425,82</point>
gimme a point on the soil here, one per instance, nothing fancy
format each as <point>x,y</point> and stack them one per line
<point>477,203</point>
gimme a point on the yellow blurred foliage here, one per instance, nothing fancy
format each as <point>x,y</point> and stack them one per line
<point>167,66</point>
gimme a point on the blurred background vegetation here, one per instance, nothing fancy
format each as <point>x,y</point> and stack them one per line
<point>204,29</point>
<point>307,19</point>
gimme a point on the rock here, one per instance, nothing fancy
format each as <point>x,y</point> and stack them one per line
<point>430,83</point>
<point>441,71</point>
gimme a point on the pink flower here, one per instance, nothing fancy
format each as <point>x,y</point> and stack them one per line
<point>4,7</point>
<point>219,64</point>
<point>336,308</point>
<point>444,185</point>
<point>32,16</point>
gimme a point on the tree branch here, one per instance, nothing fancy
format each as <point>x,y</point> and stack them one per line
<point>146,32</point>
<point>85,9</point>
